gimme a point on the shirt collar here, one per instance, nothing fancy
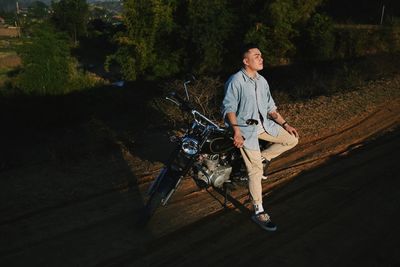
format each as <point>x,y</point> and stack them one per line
<point>246,77</point>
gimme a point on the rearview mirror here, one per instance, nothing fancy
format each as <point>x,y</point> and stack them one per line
<point>189,78</point>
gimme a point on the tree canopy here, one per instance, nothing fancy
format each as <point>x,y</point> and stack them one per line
<point>166,37</point>
<point>71,16</point>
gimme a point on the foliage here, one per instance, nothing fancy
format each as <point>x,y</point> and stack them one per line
<point>79,80</point>
<point>71,16</point>
<point>47,65</point>
<point>38,10</point>
<point>319,38</point>
<point>9,17</point>
<point>165,38</point>
<point>391,35</point>
<point>278,25</point>
<point>359,41</point>
<point>46,62</point>
<point>210,23</point>
<point>145,47</point>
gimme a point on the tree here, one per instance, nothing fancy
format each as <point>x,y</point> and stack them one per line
<point>38,10</point>
<point>46,62</point>
<point>278,25</point>
<point>71,16</point>
<point>210,24</point>
<point>319,39</point>
<point>165,37</point>
<point>146,48</point>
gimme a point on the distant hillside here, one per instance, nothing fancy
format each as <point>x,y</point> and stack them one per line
<point>9,5</point>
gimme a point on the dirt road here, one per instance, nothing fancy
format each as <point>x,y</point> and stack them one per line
<point>71,191</point>
<point>343,213</point>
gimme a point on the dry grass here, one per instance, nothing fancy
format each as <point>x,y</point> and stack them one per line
<point>9,32</point>
<point>313,116</point>
<point>9,60</point>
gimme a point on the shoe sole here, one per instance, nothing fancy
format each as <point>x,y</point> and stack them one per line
<point>263,226</point>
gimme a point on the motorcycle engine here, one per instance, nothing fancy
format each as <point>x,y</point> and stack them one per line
<point>211,172</point>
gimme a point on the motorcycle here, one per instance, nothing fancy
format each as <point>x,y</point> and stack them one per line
<point>205,152</point>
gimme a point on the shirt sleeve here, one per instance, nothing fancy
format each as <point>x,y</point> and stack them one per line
<point>231,99</point>
<point>270,101</point>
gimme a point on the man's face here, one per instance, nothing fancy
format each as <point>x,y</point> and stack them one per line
<point>253,60</point>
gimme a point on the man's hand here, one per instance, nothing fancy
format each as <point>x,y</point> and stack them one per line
<point>238,140</point>
<point>291,130</point>
<point>281,121</point>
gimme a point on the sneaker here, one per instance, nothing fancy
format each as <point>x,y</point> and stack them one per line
<point>264,221</point>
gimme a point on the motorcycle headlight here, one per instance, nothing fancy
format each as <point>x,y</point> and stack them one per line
<point>190,146</point>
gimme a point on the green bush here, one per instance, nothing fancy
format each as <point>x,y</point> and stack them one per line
<point>46,62</point>
<point>392,36</point>
<point>47,65</point>
<point>274,42</point>
<point>71,16</point>
<point>319,40</point>
<point>356,41</point>
<point>165,38</point>
<point>210,24</point>
<point>145,47</point>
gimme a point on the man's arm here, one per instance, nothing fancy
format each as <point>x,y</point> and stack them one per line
<point>238,140</point>
<point>281,121</point>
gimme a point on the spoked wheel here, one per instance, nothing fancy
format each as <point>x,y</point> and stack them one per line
<point>151,206</point>
<point>160,191</point>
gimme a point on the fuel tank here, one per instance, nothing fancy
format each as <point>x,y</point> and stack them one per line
<point>218,143</point>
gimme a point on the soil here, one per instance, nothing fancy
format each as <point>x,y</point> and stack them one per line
<point>73,197</point>
<point>9,60</point>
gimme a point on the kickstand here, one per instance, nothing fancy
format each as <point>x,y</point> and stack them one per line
<point>225,192</point>
<point>248,200</point>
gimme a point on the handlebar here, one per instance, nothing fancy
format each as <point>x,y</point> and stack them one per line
<point>181,103</point>
<point>188,107</point>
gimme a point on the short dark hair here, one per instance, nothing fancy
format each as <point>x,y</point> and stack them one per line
<point>246,47</point>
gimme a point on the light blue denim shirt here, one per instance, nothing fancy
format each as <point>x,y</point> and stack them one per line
<point>247,98</point>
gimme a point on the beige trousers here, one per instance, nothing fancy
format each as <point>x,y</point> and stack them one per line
<point>252,159</point>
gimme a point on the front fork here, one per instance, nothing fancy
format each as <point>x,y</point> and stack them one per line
<point>171,175</point>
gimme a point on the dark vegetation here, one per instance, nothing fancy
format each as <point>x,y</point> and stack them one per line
<point>362,11</point>
<point>307,54</point>
<point>158,40</point>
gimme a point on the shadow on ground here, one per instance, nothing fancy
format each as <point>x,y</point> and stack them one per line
<point>69,170</point>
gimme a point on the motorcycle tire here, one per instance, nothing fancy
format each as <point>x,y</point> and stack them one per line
<point>154,201</point>
<point>151,206</point>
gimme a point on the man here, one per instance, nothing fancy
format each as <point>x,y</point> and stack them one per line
<point>247,96</point>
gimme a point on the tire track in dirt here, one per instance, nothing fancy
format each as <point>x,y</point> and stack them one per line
<point>306,156</point>
<point>88,225</point>
<point>312,209</point>
<point>230,239</point>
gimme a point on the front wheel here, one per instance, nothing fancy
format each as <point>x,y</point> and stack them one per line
<point>151,206</point>
<point>160,191</point>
